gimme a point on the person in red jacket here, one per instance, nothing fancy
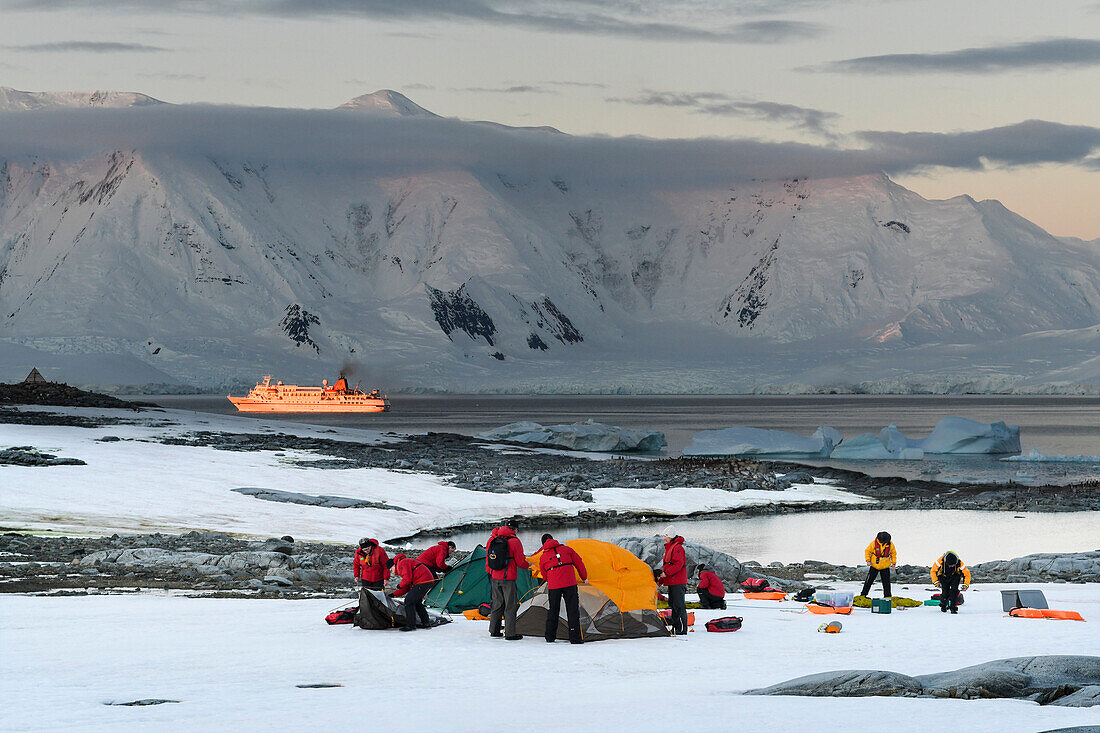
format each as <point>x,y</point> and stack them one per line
<point>416,580</point>
<point>712,594</point>
<point>370,566</point>
<point>504,559</point>
<point>560,565</point>
<point>674,576</point>
<point>435,557</point>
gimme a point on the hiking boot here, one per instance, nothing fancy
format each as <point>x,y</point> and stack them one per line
<point>512,638</point>
<point>576,642</point>
<point>549,641</point>
<point>954,610</point>
<point>943,609</point>
<point>408,628</point>
<point>497,635</point>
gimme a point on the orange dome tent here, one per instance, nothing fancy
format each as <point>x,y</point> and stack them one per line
<point>618,601</point>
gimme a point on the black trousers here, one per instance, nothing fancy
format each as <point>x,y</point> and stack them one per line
<point>414,606</point>
<point>373,585</point>
<point>709,600</point>
<point>949,591</point>
<point>885,575</point>
<point>572,613</point>
<point>678,605</point>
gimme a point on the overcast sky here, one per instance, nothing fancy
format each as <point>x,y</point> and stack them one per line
<point>829,75</point>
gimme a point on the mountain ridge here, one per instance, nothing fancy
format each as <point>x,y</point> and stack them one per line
<point>207,269</point>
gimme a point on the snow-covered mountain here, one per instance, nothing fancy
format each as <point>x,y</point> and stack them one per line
<point>163,262</point>
<point>13,100</point>
<point>387,102</point>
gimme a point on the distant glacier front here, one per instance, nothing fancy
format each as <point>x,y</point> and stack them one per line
<point>951,436</point>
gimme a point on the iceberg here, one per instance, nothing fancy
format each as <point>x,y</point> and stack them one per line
<point>952,435</point>
<point>1036,456</point>
<point>742,441</point>
<point>869,446</point>
<point>587,436</point>
<point>958,435</point>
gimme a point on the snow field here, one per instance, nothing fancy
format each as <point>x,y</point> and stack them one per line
<point>132,486</point>
<point>235,663</point>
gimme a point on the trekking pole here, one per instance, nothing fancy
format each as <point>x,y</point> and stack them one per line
<point>343,606</point>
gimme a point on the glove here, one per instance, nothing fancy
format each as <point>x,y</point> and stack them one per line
<point>964,586</point>
<point>358,585</point>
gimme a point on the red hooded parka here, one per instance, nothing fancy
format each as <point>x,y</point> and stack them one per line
<point>557,564</point>
<point>369,565</point>
<point>675,562</point>
<point>712,584</point>
<point>434,556</point>
<point>412,572</point>
<point>518,559</point>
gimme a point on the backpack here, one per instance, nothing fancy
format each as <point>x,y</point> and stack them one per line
<point>499,554</point>
<point>726,623</point>
<point>805,595</point>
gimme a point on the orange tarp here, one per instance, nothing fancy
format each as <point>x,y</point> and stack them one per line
<point>474,615</point>
<point>616,572</point>
<point>819,609</point>
<point>768,596</point>
<point>1046,613</point>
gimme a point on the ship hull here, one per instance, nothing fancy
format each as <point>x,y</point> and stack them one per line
<point>247,405</point>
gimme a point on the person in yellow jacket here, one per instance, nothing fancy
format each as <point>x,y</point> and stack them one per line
<point>881,556</point>
<point>948,572</point>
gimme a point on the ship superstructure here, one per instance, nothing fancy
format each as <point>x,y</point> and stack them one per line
<point>279,397</point>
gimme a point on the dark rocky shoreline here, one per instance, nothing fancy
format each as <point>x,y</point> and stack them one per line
<point>215,564</point>
<point>472,464</point>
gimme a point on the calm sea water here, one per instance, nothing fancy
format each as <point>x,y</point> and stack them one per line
<point>840,537</point>
<point>1053,425</point>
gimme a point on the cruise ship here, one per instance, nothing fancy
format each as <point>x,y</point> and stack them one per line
<point>279,397</point>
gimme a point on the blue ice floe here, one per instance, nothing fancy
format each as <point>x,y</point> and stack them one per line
<point>951,436</point>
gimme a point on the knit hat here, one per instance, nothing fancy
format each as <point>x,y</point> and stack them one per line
<point>669,531</point>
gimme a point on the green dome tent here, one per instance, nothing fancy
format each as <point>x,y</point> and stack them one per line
<point>467,585</point>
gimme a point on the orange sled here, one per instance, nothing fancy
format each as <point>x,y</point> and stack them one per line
<point>819,609</point>
<point>767,596</point>
<point>1045,613</point>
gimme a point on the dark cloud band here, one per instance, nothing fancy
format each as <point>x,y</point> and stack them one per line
<point>406,146</point>
<point>714,103</point>
<point>1045,54</point>
<point>87,47</point>
<point>620,18</point>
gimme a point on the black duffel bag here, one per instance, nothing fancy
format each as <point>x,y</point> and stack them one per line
<point>726,623</point>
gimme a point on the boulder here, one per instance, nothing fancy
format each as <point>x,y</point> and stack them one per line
<point>250,560</point>
<point>846,683</point>
<point>1079,567</point>
<point>651,551</point>
<point>277,545</point>
<point>1066,680</point>
<point>1086,697</point>
<point>278,580</point>
<point>1016,677</point>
